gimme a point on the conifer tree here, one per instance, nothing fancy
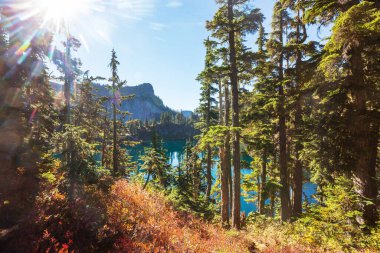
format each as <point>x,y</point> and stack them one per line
<point>349,87</point>
<point>156,163</point>
<point>302,60</point>
<point>69,67</point>
<point>207,108</point>
<point>277,52</point>
<point>296,41</point>
<point>116,100</point>
<point>24,120</point>
<point>231,23</point>
<point>258,118</point>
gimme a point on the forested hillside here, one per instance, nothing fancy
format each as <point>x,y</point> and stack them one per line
<point>280,109</point>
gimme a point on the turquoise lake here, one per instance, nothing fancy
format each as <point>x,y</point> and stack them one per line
<point>174,151</point>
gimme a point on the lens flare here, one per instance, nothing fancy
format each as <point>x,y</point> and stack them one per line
<point>88,20</point>
<point>62,12</point>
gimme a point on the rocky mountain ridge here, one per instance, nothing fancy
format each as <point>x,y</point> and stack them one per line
<point>145,105</point>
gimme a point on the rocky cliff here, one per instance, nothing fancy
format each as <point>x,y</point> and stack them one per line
<point>144,105</point>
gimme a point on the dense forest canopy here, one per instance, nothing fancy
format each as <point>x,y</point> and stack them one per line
<point>305,111</point>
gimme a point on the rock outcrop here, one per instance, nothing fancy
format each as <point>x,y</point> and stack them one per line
<point>145,105</point>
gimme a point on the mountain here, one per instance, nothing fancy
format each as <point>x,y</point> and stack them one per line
<point>187,114</point>
<point>144,105</point>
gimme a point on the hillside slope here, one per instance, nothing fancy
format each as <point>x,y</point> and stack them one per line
<point>123,218</point>
<point>146,222</point>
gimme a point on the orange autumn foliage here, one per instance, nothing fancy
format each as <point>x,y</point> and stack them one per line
<point>146,222</point>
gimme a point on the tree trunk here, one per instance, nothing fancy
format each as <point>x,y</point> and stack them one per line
<point>263,182</point>
<point>364,168</point>
<point>228,151</point>
<point>104,146</point>
<point>68,82</point>
<point>114,153</point>
<point>297,173</point>
<point>18,188</point>
<point>226,162</point>
<point>230,185</point>
<point>208,172</point>
<point>272,202</point>
<point>221,149</point>
<point>259,191</point>
<point>11,140</point>
<point>235,119</point>
<point>146,181</point>
<point>209,150</point>
<point>196,181</point>
<point>374,145</point>
<point>68,152</point>
<point>284,174</point>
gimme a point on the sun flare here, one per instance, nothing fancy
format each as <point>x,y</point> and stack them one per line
<point>61,12</point>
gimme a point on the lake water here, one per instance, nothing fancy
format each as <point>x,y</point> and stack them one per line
<point>175,150</point>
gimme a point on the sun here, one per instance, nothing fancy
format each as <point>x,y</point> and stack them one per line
<point>61,12</point>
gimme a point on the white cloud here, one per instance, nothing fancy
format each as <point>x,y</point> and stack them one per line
<point>174,3</point>
<point>157,26</point>
<point>133,9</point>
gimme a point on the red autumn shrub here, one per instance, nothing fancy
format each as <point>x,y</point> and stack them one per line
<point>69,225</point>
<point>146,222</point>
<point>125,219</point>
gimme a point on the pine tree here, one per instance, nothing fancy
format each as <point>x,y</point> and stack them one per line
<point>24,120</point>
<point>40,114</point>
<point>85,115</point>
<point>231,23</point>
<point>207,108</point>
<point>69,67</point>
<point>349,88</point>
<point>277,53</point>
<point>116,85</point>
<point>302,59</point>
<point>156,163</point>
<point>298,39</point>
<point>258,117</point>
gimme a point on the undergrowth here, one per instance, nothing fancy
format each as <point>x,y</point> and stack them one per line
<point>147,222</point>
<point>123,217</point>
<point>333,226</point>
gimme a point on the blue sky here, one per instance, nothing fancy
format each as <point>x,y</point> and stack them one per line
<point>157,41</point>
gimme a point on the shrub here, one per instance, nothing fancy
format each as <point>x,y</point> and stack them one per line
<point>146,222</point>
<point>328,227</point>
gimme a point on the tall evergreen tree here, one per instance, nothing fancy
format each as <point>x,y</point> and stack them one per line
<point>156,163</point>
<point>302,59</point>
<point>258,117</point>
<point>116,99</point>
<point>350,90</point>
<point>296,41</point>
<point>232,22</point>
<point>277,53</point>
<point>69,67</point>
<point>207,108</point>
<point>24,119</point>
